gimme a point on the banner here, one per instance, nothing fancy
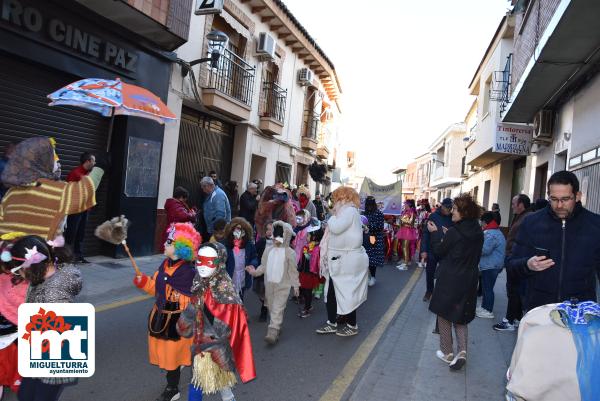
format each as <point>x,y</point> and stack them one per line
<point>388,197</point>
<point>513,139</point>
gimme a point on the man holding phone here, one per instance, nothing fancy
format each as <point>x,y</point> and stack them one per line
<point>557,249</point>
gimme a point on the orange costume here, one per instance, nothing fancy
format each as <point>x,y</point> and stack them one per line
<point>169,354</point>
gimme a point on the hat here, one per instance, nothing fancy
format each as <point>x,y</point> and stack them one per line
<point>447,203</point>
<point>314,225</point>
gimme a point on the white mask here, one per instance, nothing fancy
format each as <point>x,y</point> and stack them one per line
<point>207,262</point>
<point>279,240</point>
<point>238,233</point>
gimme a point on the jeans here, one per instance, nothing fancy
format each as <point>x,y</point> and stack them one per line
<point>76,231</point>
<point>488,279</point>
<point>430,272</point>
<point>514,308</point>
<point>34,390</point>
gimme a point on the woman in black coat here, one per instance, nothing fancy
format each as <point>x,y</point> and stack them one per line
<point>454,298</point>
<point>373,242</point>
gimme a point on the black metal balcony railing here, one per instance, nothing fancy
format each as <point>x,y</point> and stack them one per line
<point>500,91</point>
<point>233,77</point>
<point>310,125</point>
<point>272,101</point>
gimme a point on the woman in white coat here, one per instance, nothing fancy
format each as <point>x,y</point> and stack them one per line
<point>344,264</point>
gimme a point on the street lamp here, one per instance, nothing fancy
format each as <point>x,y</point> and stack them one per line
<point>434,158</point>
<point>217,43</point>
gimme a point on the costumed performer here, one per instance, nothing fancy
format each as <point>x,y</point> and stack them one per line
<point>280,269</point>
<point>275,204</point>
<point>216,321</point>
<point>407,233</point>
<point>304,198</point>
<point>171,286</point>
<point>344,264</point>
<point>37,203</point>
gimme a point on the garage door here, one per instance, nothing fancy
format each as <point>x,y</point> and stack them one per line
<point>205,144</point>
<point>25,113</point>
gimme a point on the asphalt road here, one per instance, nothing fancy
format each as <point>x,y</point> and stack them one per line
<point>300,367</point>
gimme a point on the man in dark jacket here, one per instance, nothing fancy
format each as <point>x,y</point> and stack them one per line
<point>557,249</point>
<point>514,308</point>
<point>249,203</point>
<point>442,217</point>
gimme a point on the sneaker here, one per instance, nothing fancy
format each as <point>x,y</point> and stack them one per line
<point>83,260</point>
<point>170,394</point>
<point>372,281</point>
<point>446,358</point>
<point>427,297</point>
<point>347,330</point>
<point>458,362</point>
<point>484,314</point>
<point>317,295</point>
<point>303,313</point>
<point>402,266</point>
<point>329,328</point>
<point>504,325</point>
<point>516,323</point>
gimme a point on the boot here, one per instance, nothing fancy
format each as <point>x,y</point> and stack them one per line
<point>272,336</point>
<point>263,314</point>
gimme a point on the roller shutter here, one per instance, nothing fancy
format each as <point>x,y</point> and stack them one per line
<point>24,113</point>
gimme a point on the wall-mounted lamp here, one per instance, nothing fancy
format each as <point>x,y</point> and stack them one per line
<point>567,136</point>
<point>217,43</point>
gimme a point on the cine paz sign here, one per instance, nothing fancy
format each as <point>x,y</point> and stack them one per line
<point>513,139</point>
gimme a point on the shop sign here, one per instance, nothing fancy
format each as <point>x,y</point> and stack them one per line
<point>65,35</point>
<point>208,7</point>
<point>513,139</point>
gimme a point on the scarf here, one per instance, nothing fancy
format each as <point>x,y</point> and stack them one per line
<point>237,245</point>
<point>180,281</point>
<point>491,225</point>
<point>32,159</point>
<point>276,264</point>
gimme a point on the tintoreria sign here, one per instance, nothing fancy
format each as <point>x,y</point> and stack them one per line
<point>513,139</point>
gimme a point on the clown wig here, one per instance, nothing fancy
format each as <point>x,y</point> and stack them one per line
<point>186,240</point>
<point>344,195</point>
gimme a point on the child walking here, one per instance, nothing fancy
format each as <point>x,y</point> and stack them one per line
<point>309,267</point>
<point>280,270</point>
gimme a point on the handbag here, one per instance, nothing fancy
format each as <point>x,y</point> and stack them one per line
<point>163,324</point>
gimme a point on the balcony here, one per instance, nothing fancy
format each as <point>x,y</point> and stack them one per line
<point>166,24</point>
<point>310,127</point>
<point>228,88</point>
<point>322,152</point>
<point>272,108</point>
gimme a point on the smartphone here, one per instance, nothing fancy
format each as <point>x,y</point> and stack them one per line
<point>542,252</point>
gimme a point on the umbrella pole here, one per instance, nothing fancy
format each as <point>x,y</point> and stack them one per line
<point>110,130</point>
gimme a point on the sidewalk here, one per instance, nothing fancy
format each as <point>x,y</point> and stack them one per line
<point>403,366</point>
<point>107,280</point>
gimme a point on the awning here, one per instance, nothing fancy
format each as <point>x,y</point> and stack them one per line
<point>445,182</point>
<point>236,25</point>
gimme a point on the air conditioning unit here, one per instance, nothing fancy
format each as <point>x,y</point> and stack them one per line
<point>265,48</point>
<point>542,124</point>
<point>305,77</point>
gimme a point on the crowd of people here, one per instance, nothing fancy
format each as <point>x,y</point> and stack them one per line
<point>284,245</point>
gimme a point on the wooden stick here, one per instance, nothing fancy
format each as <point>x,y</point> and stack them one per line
<point>135,266</point>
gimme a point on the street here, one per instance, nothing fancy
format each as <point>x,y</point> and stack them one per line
<point>300,367</point>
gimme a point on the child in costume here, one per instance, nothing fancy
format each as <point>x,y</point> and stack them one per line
<point>171,286</point>
<point>258,284</point>
<point>280,269</point>
<point>51,280</point>
<point>241,252</point>
<point>13,289</point>
<point>309,267</point>
<point>216,321</point>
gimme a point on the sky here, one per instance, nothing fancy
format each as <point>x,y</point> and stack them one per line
<point>404,68</point>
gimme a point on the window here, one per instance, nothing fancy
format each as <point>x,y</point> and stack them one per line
<point>486,96</point>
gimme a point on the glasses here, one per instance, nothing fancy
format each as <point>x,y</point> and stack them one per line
<point>556,201</point>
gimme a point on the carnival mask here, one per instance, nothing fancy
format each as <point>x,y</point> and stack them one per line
<point>238,233</point>
<point>207,261</point>
<point>169,244</point>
